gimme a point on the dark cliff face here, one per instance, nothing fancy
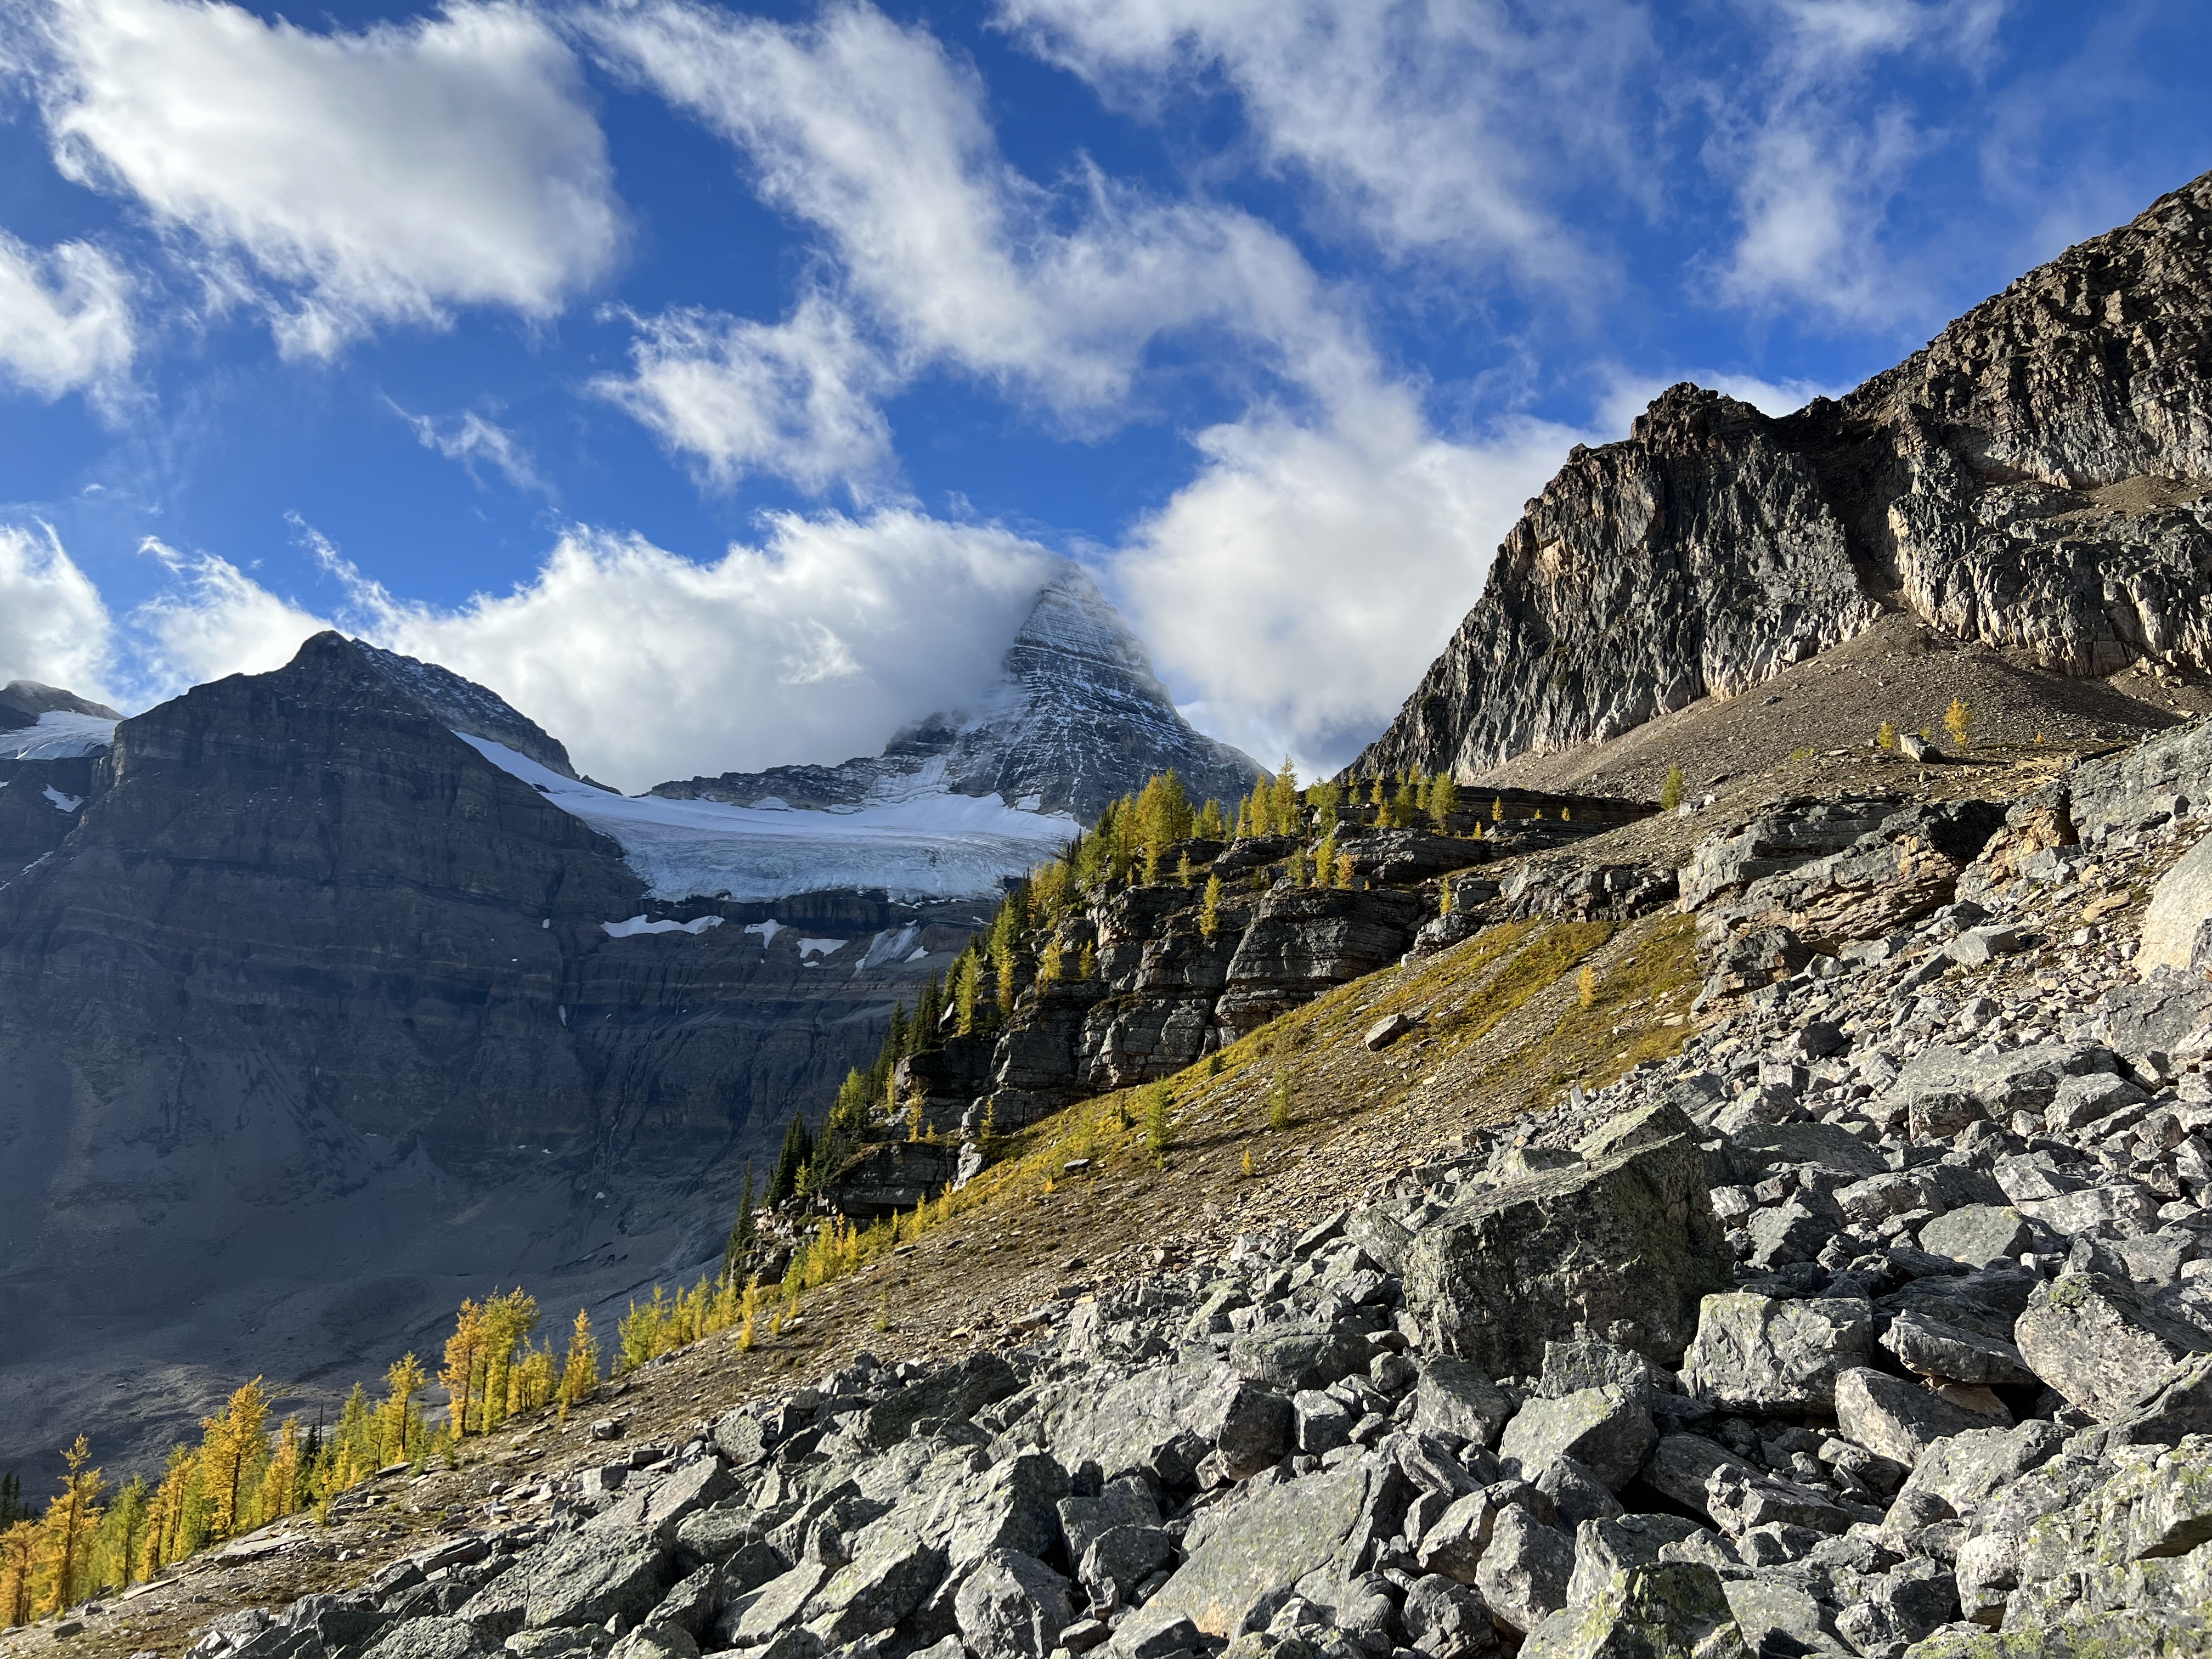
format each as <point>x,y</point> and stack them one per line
<point>310,1025</point>
<point>2040,477</point>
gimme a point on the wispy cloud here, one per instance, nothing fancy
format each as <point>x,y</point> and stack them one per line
<point>473,440</point>
<point>65,321</point>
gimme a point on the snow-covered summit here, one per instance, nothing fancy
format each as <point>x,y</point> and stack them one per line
<point>1077,718</point>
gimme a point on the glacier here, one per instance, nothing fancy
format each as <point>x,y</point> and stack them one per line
<point>58,734</point>
<point>926,845</point>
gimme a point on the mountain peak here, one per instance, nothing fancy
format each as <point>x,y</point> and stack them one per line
<point>22,702</point>
<point>2038,478</point>
<point>1077,718</point>
<point>461,705</point>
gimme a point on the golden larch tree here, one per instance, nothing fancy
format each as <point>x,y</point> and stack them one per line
<point>231,1450</point>
<point>65,1535</point>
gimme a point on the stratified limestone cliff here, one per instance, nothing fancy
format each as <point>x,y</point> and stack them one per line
<point>312,1021</point>
<point>2038,477</point>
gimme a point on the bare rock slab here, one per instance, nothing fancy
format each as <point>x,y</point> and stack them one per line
<point>1623,1244</point>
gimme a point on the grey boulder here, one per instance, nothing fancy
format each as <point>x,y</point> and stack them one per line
<point>2096,1339</point>
<point>1012,1606</point>
<point>1456,1399</point>
<point>1658,1611</point>
<point>1445,1619</point>
<point>1609,1430</point>
<point>1759,1354</point>
<point>585,1578</point>
<point>1977,1234</point>
<point>2176,924</point>
<point>1524,1573</point>
<point>1894,1419</point>
<point>1623,1244</point>
<point>957,1392</point>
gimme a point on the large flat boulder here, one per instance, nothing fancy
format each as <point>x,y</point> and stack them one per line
<point>1161,1421</point>
<point>585,1578</point>
<point>2177,925</point>
<point>1623,1245</point>
<point>1757,1353</point>
<point>1256,1553</point>
<point>2098,1341</point>
<point>1897,1419</point>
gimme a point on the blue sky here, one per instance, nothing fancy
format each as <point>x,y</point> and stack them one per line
<point>715,383</point>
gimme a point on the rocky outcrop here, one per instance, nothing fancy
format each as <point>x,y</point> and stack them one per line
<point>2038,478</point>
<point>1168,986</point>
<point>1076,719</point>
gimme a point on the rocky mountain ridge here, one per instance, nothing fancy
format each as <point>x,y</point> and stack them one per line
<point>2038,478</point>
<point>1076,719</point>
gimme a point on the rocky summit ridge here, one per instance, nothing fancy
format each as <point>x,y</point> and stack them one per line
<point>1076,719</point>
<point>2037,478</point>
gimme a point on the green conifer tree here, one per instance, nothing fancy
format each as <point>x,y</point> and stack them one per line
<point>1444,801</point>
<point>740,1243</point>
<point>791,1161</point>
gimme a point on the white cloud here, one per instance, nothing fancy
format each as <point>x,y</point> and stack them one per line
<point>1302,581</point>
<point>54,627</point>
<point>1815,161</point>
<point>871,133</point>
<point>470,439</point>
<point>215,620</point>
<point>65,320</point>
<point>816,645</point>
<point>795,398</point>
<point>362,177</point>
<point>1426,126</point>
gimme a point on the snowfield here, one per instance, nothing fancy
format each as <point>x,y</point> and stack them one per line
<point>933,845</point>
<point>58,737</point>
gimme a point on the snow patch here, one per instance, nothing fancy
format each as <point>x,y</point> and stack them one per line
<point>63,803</point>
<point>827,947</point>
<point>637,925</point>
<point>920,954</point>
<point>58,736</point>
<point>768,930</point>
<point>926,846</point>
<point>888,945</point>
